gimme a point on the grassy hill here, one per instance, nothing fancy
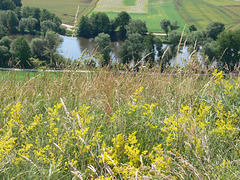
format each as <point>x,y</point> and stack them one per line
<point>65,9</point>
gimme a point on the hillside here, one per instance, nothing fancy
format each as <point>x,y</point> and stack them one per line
<point>197,12</point>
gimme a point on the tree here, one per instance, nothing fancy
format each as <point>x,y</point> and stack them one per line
<point>194,39</point>
<point>4,18</point>
<point>23,25</point>
<point>22,51</point>
<point>192,28</point>
<point>28,24</point>
<point>3,31</point>
<point>32,12</point>
<point>84,28</point>
<point>57,21</point>
<point>174,25</point>
<point>52,42</point>
<point>150,49</point>
<point>103,43</point>
<point>38,48</point>
<point>7,5</point>
<point>136,26</point>
<point>6,41</point>
<point>214,29</point>
<point>31,24</point>
<point>165,25</point>
<point>4,56</point>
<point>158,44</point>
<point>13,21</point>
<point>112,31</point>
<point>122,21</point>
<point>100,23</point>
<point>229,47</point>
<point>174,37</point>
<point>46,15</point>
<point>47,25</point>
<point>18,3</point>
<point>132,48</point>
<point>211,50</point>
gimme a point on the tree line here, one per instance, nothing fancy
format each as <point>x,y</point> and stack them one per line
<point>218,45</point>
<point>15,19</point>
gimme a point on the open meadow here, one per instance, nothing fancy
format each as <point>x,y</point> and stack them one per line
<point>65,9</point>
<point>111,125</point>
<point>200,12</point>
<point>138,6</point>
<point>155,11</point>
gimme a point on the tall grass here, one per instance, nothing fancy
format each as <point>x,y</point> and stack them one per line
<point>107,124</point>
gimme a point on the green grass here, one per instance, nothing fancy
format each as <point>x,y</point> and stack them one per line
<point>66,10</point>
<point>157,10</point>
<point>200,12</point>
<point>129,2</point>
<point>120,126</point>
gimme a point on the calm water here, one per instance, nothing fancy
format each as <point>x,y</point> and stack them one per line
<point>74,47</point>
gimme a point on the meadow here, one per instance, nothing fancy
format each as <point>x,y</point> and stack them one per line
<point>66,10</point>
<point>119,5</point>
<point>111,125</point>
<point>156,10</point>
<point>200,12</point>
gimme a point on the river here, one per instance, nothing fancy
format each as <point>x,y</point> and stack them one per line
<point>74,48</point>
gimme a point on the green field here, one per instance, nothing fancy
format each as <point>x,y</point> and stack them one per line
<point>197,12</point>
<point>200,12</point>
<point>157,10</point>
<point>65,9</point>
<point>129,2</point>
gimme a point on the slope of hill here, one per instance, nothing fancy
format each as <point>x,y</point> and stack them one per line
<point>65,9</point>
<point>197,12</point>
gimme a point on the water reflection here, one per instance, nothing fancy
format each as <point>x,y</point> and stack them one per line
<point>73,47</point>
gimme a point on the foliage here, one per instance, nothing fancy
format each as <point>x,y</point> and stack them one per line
<point>229,47</point>
<point>84,28</point>
<point>103,43</point>
<point>28,24</point>
<point>192,28</point>
<point>131,49</point>
<point>3,31</point>
<point>6,41</point>
<point>47,25</point>
<point>214,29</point>
<point>149,45</point>
<point>136,26</point>
<point>7,5</point>
<point>165,25</point>
<point>100,23</point>
<point>174,38</point>
<point>22,51</point>
<point>52,42</point>
<point>38,48</point>
<point>12,21</point>
<point>4,56</point>
<point>174,26</point>
<point>122,20</point>
<point>211,50</point>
